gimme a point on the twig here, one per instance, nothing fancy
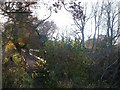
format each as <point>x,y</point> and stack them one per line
<point>107,68</point>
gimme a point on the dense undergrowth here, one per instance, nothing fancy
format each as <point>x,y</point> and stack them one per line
<point>66,65</point>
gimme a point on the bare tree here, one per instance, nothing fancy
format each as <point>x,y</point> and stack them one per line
<point>111,13</point>
<point>78,13</point>
<point>105,16</point>
<point>97,16</point>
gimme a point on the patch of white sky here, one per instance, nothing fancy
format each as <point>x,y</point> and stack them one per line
<point>64,20</point>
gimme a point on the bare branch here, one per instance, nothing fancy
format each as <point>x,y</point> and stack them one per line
<point>77,24</point>
<point>43,20</point>
<point>108,68</point>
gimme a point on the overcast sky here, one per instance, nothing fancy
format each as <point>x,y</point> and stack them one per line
<point>65,22</point>
<point>63,19</point>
